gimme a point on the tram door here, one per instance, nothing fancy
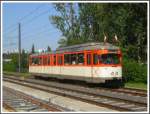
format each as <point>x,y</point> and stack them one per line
<point>60,62</point>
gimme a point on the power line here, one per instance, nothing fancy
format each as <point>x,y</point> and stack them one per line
<point>35,17</point>
<point>22,18</point>
<point>31,20</point>
<point>10,37</point>
<point>39,33</point>
<point>10,30</point>
<point>41,30</point>
<point>42,26</point>
<point>10,44</point>
<point>11,27</point>
<point>30,13</point>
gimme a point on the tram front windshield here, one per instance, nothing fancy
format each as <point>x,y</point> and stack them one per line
<point>110,59</point>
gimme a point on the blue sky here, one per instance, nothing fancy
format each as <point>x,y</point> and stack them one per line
<point>35,29</point>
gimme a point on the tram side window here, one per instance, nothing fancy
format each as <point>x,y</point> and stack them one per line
<point>48,61</point>
<point>40,60</point>
<point>110,59</point>
<point>54,59</point>
<point>80,58</point>
<point>67,59</point>
<point>59,60</point>
<point>95,59</point>
<point>35,61</point>
<point>73,59</point>
<point>88,59</point>
<point>30,61</point>
<point>45,60</point>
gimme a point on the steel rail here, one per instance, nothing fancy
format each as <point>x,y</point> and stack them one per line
<point>136,92</point>
<point>101,91</point>
<point>110,102</point>
<point>8,107</point>
<point>132,91</point>
<point>13,97</point>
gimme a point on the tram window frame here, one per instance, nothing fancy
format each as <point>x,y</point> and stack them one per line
<point>78,58</point>
<point>30,61</point>
<point>60,60</point>
<point>40,61</point>
<point>88,58</point>
<point>73,59</point>
<point>49,60</point>
<point>45,58</point>
<point>112,59</point>
<point>97,59</point>
<point>36,61</point>
<point>54,59</point>
<point>67,59</point>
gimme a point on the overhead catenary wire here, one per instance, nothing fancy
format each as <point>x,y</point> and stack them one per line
<point>39,33</point>
<point>35,28</point>
<point>35,17</point>
<point>11,37</point>
<point>28,19</point>
<point>11,44</point>
<point>11,28</point>
<point>12,47</point>
<point>42,29</point>
<point>31,12</point>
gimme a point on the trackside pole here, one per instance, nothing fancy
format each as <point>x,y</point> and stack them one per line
<point>19,45</point>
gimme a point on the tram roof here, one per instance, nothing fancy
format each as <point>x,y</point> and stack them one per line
<point>87,46</point>
<point>81,47</point>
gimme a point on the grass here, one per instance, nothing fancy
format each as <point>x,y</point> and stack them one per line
<point>17,74</point>
<point>136,85</point>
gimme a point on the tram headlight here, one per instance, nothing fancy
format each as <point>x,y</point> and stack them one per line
<point>112,73</point>
<point>116,73</point>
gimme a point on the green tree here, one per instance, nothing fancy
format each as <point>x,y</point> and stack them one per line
<point>13,64</point>
<point>91,21</point>
<point>49,49</point>
<point>33,49</point>
<point>24,60</point>
<point>67,22</point>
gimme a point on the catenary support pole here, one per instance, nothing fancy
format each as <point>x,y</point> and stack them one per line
<point>19,46</point>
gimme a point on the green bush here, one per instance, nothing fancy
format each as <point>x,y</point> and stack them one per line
<point>9,66</point>
<point>132,52</point>
<point>133,71</point>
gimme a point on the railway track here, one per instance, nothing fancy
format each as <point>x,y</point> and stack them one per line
<point>16,101</point>
<point>130,91</point>
<point>121,102</point>
<point>136,92</point>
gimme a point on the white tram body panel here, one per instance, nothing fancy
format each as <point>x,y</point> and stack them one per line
<point>71,71</point>
<point>107,72</point>
<point>100,73</point>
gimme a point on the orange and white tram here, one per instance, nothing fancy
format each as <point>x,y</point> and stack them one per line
<point>90,62</point>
